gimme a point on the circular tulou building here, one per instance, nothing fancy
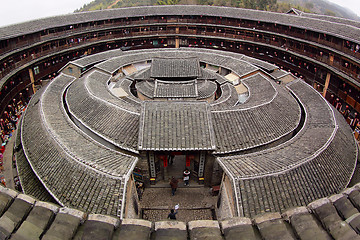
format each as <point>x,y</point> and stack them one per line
<point>244,99</point>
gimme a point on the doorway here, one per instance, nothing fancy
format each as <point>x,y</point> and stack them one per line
<point>176,166</point>
<point>173,164</point>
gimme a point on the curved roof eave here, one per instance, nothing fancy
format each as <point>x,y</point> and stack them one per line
<point>318,25</point>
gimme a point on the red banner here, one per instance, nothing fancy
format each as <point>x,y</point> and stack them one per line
<point>165,160</point>
<point>188,160</point>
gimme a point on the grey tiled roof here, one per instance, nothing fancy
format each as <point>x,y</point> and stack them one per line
<point>236,62</point>
<point>84,148</point>
<point>206,75</point>
<point>96,58</point>
<point>241,129</point>
<point>278,74</point>
<point>334,217</point>
<point>30,184</point>
<point>230,61</point>
<point>194,89</point>
<point>332,19</point>
<point>274,158</point>
<point>206,88</point>
<point>328,26</point>
<point>146,88</point>
<point>167,89</point>
<point>228,98</point>
<point>221,80</point>
<point>318,118</point>
<point>302,170</point>
<point>175,126</point>
<point>261,64</point>
<point>97,84</point>
<point>143,74</point>
<point>261,90</point>
<point>125,84</point>
<point>47,158</point>
<point>76,170</point>
<point>175,68</point>
<point>95,113</point>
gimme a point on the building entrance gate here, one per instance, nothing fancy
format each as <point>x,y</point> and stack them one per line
<point>164,165</point>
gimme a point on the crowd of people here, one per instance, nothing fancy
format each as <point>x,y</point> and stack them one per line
<point>8,122</point>
<point>351,117</point>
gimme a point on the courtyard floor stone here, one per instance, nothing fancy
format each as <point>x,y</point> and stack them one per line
<point>195,203</point>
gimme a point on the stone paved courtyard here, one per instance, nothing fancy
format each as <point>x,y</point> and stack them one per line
<point>196,203</point>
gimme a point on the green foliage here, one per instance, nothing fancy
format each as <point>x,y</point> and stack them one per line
<point>252,4</point>
<point>167,2</point>
<point>286,6</point>
<point>309,5</point>
<point>316,6</point>
<point>329,13</point>
<point>131,3</point>
<point>95,5</point>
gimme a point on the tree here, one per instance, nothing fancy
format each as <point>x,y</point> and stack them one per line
<point>167,2</point>
<point>330,13</point>
<point>309,5</point>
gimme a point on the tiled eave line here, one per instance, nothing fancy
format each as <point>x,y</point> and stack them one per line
<point>53,136</point>
<point>93,95</point>
<point>210,94</point>
<point>249,90</point>
<point>234,180</point>
<point>211,133</point>
<point>101,135</point>
<point>261,144</point>
<point>28,159</point>
<point>123,179</point>
<point>141,127</point>
<point>307,159</point>
<point>223,99</point>
<point>332,69</point>
<point>321,26</point>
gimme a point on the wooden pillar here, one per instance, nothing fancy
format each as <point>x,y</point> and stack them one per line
<point>177,40</point>
<point>152,167</point>
<point>331,59</point>
<point>328,76</point>
<point>201,166</point>
<point>32,79</point>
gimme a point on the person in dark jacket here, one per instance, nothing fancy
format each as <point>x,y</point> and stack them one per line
<point>172,214</point>
<point>174,185</point>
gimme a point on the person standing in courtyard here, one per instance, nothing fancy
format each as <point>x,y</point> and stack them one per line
<point>174,185</point>
<point>186,177</point>
<point>172,214</point>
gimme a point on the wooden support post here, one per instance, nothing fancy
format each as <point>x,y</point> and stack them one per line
<point>152,167</point>
<point>177,40</point>
<point>328,76</point>
<point>331,60</point>
<point>32,79</point>
<point>201,166</point>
